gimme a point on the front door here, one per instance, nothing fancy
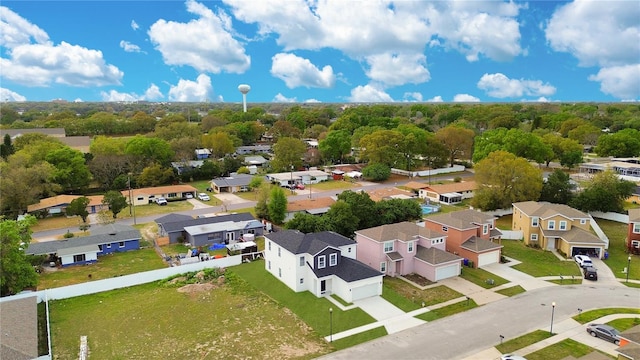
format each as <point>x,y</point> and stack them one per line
<point>323,286</point>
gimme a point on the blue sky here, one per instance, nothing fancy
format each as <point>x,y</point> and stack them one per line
<point>320,51</point>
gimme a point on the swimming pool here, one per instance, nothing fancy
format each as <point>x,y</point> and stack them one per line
<point>428,209</point>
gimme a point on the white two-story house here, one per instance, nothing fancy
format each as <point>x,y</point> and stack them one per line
<point>323,263</point>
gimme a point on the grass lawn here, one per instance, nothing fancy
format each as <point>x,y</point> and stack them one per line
<point>537,262</point>
<point>523,341</point>
<point>108,266</point>
<point>153,321</point>
<point>504,222</point>
<point>359,338</point>
<point>312,310</point>
<point>589,316</point>
<point>482,277</point>
<point>331,184</point>
<point>617,261</point>
<point>56,222</point>
<point>448,310</point>
<point>408,297</point>
<point>624,324</point>
<point>561,350</point>
<point>511,291</point>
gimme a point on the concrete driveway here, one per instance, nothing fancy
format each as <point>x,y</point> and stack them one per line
<point>388,315</point>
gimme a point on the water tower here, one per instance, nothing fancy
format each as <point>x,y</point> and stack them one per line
<point>244,89</point>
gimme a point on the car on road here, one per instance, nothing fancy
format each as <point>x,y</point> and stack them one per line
<point>583,260</point>
<point>300,186</point>
<point>204,197</point>
<point>605,332</point>
<point>161,201</point>
<point>590,273</point>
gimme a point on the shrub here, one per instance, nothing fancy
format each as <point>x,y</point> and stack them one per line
<point>376,172</point>
<point>68,235</point>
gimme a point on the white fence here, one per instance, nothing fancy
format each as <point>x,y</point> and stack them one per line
<point>511,234</point>
<point>423,173</point>
<point>621,218</point>
<point>97,286</point>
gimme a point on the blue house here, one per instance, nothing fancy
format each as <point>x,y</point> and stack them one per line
<point>223,229</point>
<point>86,249</point>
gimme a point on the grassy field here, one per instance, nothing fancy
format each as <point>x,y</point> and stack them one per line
<point>108,266</point>
<point>448,310</point>
<point>482,277</point>
<point>192,322</point>
<point>561,350</point>
<point>592,315</point>
<point>537,262</point>
<point>523,341</point>
<point>512,291</point>
<point>407,297</point>
<point>617,261</point>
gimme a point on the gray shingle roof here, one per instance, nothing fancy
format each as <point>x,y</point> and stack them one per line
<point>394,256</point>
<point>101,235</point>
<point>400,231</point>
<point>435,256</point>
<point>298,243</point>
<point>176,226</point>
<point>348,270</point>
<point>545,210</point>
<point>634,215</point>
<point>477,245</point>
<point>574,236</point>
<point>236,180</point>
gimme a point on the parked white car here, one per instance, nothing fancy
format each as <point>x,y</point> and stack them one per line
<point>583,260</point>
<point>161,201</point>
<point>204,197</point>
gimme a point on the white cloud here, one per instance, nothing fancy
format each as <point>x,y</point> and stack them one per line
<point>465,98</point>
<point>192,91</point>
<point>436,99</point>
<point>134,25</point>
<point>205,43</point>
<point>500,86</point>
<point>398,69</point>
<point>129,47</point>
<point>312,101</point>
<point>279,98</point>
<point>8,95</point>
<point>604,33</point>
<point>78,100</point>
<point>622,82</point>
<point>296,71</point>
<point>412,96</point>
<point>153,93</point>
<point>43,63</point>
<point>369,93</point>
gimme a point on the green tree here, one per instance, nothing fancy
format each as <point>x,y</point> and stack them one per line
<point>70,172</point>
<point>605,192</point>
<point>78,206</point>
<point>504,179</point>
<point>288,152</point>
<point>308,223</point>
<point>6,148</point>
<point>277,205</point>
<point>145,150</point>
<point>396,210</point>
<point>558,188</point>
<point>262,209</point>
<point>16,272</point>
<point>457,140</point>
<point>335,146</point>
<point>382,147</point>
<point>515,141</point>
<point>256,182</point>
<point>219,142</point>
<point>362,206</point>
<point>341,218</point>
<point>376,172</point>
<point>21,186</point>
<point>624,143</point>
<point>115,201</point>
<point>155,175</point>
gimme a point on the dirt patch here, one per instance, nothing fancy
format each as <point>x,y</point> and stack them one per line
<point>415,278</point>
<point>197,288</point>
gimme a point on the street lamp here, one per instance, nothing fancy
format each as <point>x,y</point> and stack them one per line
<point>132,209</point>
<point>628,267</point>
<point>330,324</point>
<point>553,309</point>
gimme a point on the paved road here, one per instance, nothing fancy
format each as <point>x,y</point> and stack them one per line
<point>463,335</point>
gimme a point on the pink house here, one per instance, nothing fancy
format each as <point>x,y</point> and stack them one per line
<point>406,248</point>
<point>633,233</point>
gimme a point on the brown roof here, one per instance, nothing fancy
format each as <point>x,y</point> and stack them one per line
<point>477,245</point>
<point>55,132</point>
<point>160,190</point>
<point>546,210</point>
<point>59,200</point>
<point>306,204</point>
<point>634,215</point>
<point>435,256</point>
<point>632,334</point>
<point>461,220</point>
<point>416,185</point>
<point>386,193</point>
<point>631,351</point>
<point>400,231</point>
<point>19,324</point>
<point>453,187</point>
<point>575,235</point>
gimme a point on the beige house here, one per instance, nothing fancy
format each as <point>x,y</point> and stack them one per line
<point>557,227</point>
<point>148,195</point>
<point>58,204</point>
<point>452,193</point>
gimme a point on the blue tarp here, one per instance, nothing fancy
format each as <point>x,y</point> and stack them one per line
<point>216,246</point>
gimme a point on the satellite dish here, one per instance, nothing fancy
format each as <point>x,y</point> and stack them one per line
<point>244,89</point>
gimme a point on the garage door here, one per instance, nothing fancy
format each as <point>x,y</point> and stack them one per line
<point>447,272</point>
<point>488,258</point>
<point>364,292</point>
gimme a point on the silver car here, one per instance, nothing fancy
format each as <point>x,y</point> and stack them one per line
<point>605,332</point>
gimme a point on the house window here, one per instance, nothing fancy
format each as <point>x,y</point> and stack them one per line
<point>583,221</point>
<point>121,244</point>
<point>322,262</point>
<point>563,225</point>
<point>100,247</point>
<point>79,258</point>
<point>279,251</point>
<point>534,237</point>
<point>635,244</point>
<point>301,280</point>
<point>534,221</point>
<point>437,241</point>
<point>109,246</point>
<point>269,245</point>
<point>445,229</point>
<point>279,272</point>
<point>383,267</point>
<point>410,246</point>
<point>388,246</point>
<point>485,229</point>
<point>301,260</point>
<point>349,250</point>
<point>140,198</point>
<point>172,195</point>
<point>551,225</point>
<point>636,228</point>
<point>269,264</point>
<point>333,259</point>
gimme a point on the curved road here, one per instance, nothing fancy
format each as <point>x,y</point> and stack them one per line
<point>464,334</point>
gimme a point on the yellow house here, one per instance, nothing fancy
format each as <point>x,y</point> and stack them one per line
<point>557,227</point>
